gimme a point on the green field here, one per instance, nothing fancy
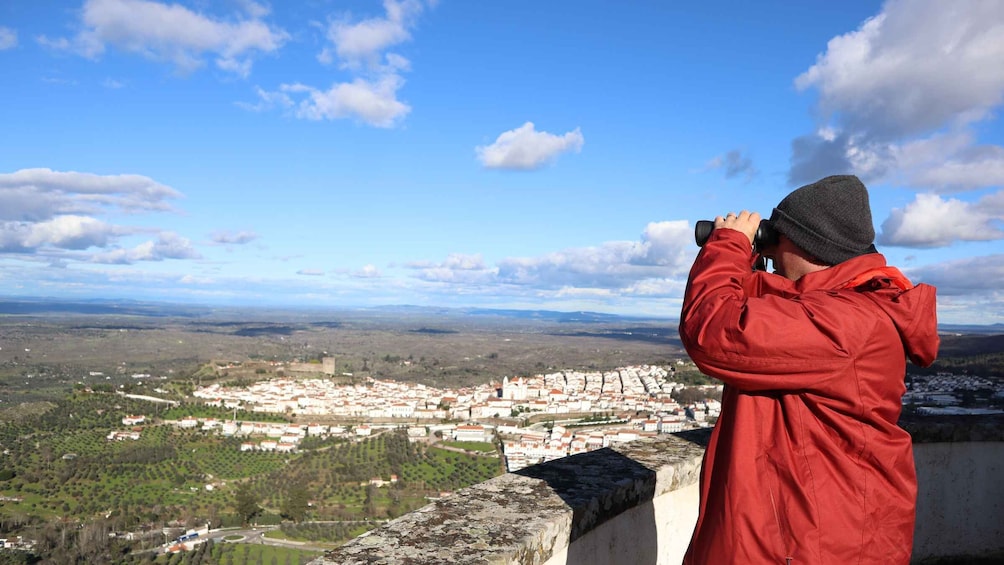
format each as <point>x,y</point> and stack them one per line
<point>59,469</point>
<point>235,554</point>
<point>481,446</point>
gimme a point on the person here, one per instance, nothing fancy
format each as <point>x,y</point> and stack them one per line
<point>806,464</point>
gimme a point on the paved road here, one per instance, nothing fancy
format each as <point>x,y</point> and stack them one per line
<point>256,535</point>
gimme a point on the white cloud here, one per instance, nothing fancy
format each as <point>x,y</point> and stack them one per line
<point>233,238</point>
<point>969,290</point>
<point>362,43</point>
<point>371,95</point>
<point>310,272</point>
<point>951,163</point>
<point>931,221</point>
<point>8,38</point>
<point>191,279</point>
<point>664,250</point>
<point>169,245</point>
<point>734,163</point>
<point>666,244</point>
<point>173,33</point>
<point>915,67</point>
<point>59,43</point>
<point>457,268</point>
<point>267,100</point>
<point>39,194</point>
<point>375,103</point>
<point>668,287</point>
<point>69,232</point>
<point>576,292</point>
<point>54,215</point>
<point>615,274</point>
<point>993,204</point>
<point>920,74</point>
<point>973,275</point>
<point>367,272</point>
<point>524,148</point>
<point>461,277</point>
<point>464,262</point>
<point>607,265</point>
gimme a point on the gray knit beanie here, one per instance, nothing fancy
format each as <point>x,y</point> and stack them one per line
<point>829,219</point>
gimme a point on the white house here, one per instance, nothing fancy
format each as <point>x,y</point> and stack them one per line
<point>469,433</point>
<point>317,429</point>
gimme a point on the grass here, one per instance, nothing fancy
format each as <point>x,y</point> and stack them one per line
<point>330,534</point>
<point>249,554</point>
<point>202,411</point>
<point>482,446</point>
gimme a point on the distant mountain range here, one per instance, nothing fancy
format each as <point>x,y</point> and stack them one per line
<point>52,306</point>
<point>543,315</point>
<point>19,306</point>
<point>971,329</point>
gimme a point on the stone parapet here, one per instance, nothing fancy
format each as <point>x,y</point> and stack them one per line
<point>955,429</point>
<point>528,517</point>
<point>960,498</point>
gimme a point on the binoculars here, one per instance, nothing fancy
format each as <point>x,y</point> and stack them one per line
<point>766,235</point>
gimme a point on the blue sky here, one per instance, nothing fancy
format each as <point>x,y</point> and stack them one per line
<point>501,154</point>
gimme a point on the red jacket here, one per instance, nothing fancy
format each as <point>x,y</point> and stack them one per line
<point>806,464</point>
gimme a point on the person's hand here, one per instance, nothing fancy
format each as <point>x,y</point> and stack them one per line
<point>746,222</point>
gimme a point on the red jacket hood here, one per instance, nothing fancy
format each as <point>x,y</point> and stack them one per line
<point>909,307</point>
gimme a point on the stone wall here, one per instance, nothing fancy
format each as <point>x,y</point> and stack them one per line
<point>960,500</point>
<point>637,503</point>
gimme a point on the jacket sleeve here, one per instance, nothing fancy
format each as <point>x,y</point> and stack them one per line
<point>770,340</point>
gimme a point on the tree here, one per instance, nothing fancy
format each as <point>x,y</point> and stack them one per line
<point>294,506</point>
<point>369,504</point>
<point>692,395</point>
<point>246,503</point>
<point>212,514</point>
